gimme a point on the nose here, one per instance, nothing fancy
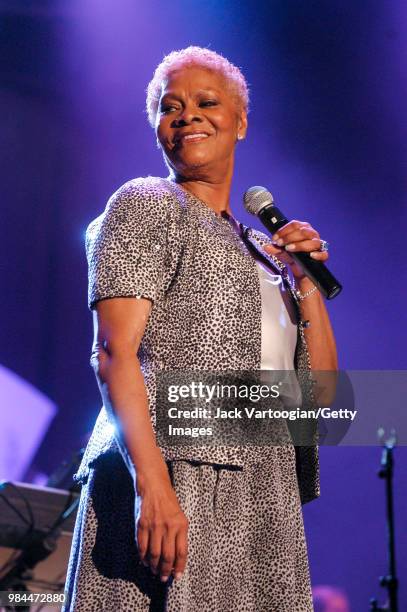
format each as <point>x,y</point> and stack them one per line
<point>189,114</point>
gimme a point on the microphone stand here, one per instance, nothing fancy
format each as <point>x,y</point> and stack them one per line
<point>390,582</point>
<point>41,545</point>
<point>37,549</point>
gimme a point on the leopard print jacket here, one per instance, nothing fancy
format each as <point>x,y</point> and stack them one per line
<point>156,240</point>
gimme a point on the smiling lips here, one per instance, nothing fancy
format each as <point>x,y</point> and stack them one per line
<point>196,136</point>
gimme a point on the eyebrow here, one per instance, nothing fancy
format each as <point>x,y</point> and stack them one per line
<point>170,94</point>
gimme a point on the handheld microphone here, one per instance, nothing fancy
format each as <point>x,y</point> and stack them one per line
<point>259,202</point>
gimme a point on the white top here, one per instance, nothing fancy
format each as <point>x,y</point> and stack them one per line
<point>278,324</point>
<point>278,327</point>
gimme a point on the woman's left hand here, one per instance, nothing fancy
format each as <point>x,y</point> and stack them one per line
<point>294,237</point>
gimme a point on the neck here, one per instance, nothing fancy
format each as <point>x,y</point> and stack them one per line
<point>214,191</point>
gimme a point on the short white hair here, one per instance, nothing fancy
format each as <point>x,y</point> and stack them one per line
<point>201,57</point>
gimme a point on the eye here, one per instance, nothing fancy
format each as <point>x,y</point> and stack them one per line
<point>167,109</point>
<point>208,103</point>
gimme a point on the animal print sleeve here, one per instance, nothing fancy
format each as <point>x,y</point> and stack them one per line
<point>126,246</point>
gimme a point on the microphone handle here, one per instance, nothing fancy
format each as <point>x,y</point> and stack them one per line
<point>273,219</point>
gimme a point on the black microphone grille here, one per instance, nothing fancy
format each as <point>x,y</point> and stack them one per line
<point>256,198</point>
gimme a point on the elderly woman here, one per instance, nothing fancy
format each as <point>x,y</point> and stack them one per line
<point>176,283</point>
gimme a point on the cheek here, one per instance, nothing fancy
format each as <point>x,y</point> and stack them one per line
<point>162,136</point>
<point>225,125</point>
<point>160,132</point>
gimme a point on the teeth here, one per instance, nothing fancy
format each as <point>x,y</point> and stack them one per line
<point>192,136</point>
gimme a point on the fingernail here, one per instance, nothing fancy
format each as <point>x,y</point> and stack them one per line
<point>290,247</point>
<point>178,575</point>
<point>314,255</point>
<point>280,242</point>
<point>275,237</point>
<point>164,578</point>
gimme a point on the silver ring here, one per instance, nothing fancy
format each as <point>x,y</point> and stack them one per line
<point>324,246</point>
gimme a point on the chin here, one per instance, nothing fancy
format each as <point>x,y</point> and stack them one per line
<point>194,160</point>
<point>188,167</point>
<point>192,163</point>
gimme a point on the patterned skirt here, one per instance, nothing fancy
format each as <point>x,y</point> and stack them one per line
<point>246,545</point>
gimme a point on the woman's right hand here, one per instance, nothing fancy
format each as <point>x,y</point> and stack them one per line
<point>161,526</point>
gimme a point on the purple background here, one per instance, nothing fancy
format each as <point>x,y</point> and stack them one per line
<point>327,135</point>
